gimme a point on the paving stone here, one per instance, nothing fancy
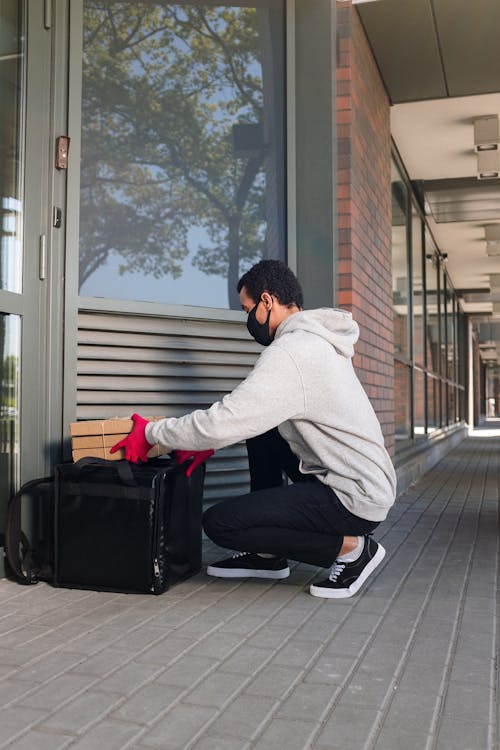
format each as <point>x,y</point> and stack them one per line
<point>215,689</point>
<point>246,660</point>
<point>217,645</point>
<point>14,621</point>
<point>180,725</point>
<point>306,700</point>
<point>469,701</point>
<point>17,719</point>
<point>101,663</point>
<point>200,626</point>
<point>48,666</point>
<point>165,650</point>
<point>41,741</point>
<point>11,691</point>
<point>286,733</point>
<point>108,734</point>
<point>347,643</point>
<point>455,734</point>
<point>329,669</point>
<point>242,625</point>
<point>57,691</point>
<point>80,714</point>
<point>140,638</point>
<point>472,666</point>
<point>244,717</point>
<point>90,641</point>
<point>274,681</point>
<point>408,722</point>
<point>128,678</point>
<point>297,653</point>
<point>147,704</point>
<point>219,743</point>
<point>346,727</point>
<point>269,636</point>
<point>187,671</point>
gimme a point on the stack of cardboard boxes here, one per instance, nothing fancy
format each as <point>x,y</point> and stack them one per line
<point>96,437</point>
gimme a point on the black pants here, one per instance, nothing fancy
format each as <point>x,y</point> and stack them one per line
<point>304,521</point>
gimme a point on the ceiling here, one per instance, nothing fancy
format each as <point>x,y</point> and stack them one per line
<point>440,62</point>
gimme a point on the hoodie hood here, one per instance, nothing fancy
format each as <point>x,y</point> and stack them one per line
<point>335,326</point>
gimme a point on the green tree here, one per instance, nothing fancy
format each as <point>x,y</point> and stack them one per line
<point>163,87</point>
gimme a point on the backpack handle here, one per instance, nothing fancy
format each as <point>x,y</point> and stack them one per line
<point>18,550</point>
<point>122,468</point>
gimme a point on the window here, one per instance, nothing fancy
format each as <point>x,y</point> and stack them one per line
<point>428,391</point>
<point>183,158</point>
<point>400,304</point>
<point>12,91</point>
<point>10,354</point>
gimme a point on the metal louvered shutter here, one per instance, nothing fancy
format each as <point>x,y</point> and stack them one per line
<point>164,366</point>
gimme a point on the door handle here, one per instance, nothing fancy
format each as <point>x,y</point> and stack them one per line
<point>42,258</point>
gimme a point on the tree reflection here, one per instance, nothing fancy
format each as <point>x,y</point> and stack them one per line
<point>178,133</point>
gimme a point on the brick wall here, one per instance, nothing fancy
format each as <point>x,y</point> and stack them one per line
<point>364,269</point>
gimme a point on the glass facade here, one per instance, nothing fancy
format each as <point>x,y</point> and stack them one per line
<point>183,148</point>
<point>12,114</point>
<point>12,71</point>
<point>10,354</point>
<point>427,321</point>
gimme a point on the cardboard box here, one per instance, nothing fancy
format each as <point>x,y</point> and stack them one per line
<point>95,437</point>
<point>113,426</point>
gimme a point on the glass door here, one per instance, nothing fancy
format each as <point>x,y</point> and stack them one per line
<point>25,46</point>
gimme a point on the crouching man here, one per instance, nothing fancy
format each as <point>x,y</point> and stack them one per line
<point>303,414</point>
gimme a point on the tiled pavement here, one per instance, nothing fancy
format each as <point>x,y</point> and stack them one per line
<point>407,664</point>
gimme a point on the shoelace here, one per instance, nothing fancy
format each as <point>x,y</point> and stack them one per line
<point>336,570</point>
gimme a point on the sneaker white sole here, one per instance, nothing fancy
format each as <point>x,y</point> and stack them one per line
<point>327,593</point>
<point>274,575</point>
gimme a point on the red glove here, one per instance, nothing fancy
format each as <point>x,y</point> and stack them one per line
<point>199,458</point>
<point>135,444</point>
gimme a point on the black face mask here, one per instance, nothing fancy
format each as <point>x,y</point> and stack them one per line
<point>259,331</point>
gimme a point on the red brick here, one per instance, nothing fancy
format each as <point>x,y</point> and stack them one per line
<point>364,265</point>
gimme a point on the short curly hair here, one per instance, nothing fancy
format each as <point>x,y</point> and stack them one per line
<point>274,277</point>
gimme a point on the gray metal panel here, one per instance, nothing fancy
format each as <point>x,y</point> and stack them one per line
<point>404,41</point>
<point>164,366</point>
<point>468,33</point>
<point>463,199</point>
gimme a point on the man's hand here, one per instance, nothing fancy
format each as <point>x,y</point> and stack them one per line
<point>199,457</point>
<point>135,444</point>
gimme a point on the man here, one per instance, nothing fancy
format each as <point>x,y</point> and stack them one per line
<point>302,410</point>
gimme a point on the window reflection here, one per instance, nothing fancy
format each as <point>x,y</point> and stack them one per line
<point>419,403</point>
<point>11,141</point>
<point>10,341</point>
<point>182,170</point>
<point>418,290</point>
<point>399,266</point>
<point>432,310</point>
<point>428,391</point>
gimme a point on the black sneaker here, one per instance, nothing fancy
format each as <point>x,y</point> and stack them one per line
<point>250,565</point>
<point>347,578</point>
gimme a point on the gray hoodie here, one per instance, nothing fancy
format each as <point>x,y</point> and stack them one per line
<point>305,384</point>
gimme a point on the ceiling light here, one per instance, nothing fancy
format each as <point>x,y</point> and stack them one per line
<point>492,233</point>
<point>495,282</point>
<point>486,133</point>
<point>492,237</point>
<point>488,165</point>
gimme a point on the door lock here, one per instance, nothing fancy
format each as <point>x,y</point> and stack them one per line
<point>56,217</point>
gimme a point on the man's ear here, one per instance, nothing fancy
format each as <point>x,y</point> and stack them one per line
<point>267,299</point>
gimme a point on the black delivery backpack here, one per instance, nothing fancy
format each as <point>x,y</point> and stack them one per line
<point>116,526</point>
